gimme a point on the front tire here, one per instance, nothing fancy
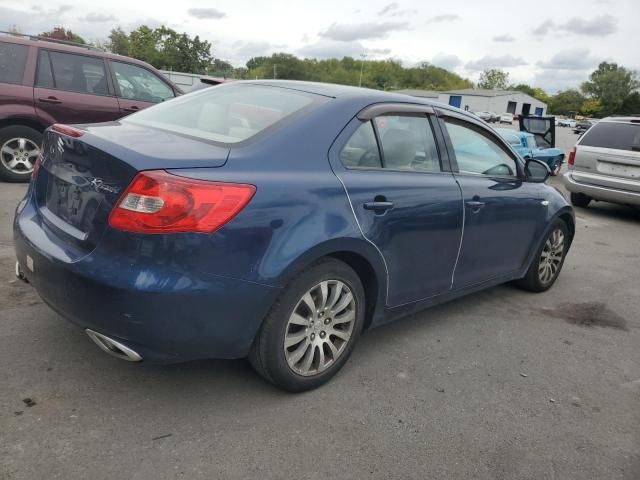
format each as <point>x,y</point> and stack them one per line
<point>312,328</point>
<point>549,259</point>
<point>19,149</point>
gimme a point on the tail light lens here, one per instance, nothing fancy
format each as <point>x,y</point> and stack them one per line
<point>572,156</point>
<point>159,202</point>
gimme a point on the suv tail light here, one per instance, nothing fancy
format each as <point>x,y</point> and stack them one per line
<point>572,156</point>
<point>67,130</point>
<point>159,202</point>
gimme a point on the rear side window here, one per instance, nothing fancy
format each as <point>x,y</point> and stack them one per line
<point>226,114</point>
<point>137,83</point>
<point>12,61</point>
<point>407,143</point>
<point>619,136</point>
<point>362,149</point>
<point>74,73</point>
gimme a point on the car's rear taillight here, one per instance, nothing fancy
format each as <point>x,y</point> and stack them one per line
<point>159,202</point>
<point>572,156</point>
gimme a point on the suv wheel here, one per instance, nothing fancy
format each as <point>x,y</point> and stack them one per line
<point>19,149</point>
<point>580,200</point>
<point>312,328</point>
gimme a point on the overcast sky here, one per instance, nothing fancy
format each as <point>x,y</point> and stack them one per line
<point>553,44</point>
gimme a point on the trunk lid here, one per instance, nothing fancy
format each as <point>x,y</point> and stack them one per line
<point>81,179</point>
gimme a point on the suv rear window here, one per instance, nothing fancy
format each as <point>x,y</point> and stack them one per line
<point>619,136</point>
<point>12,60</point>
<point>226,114</point>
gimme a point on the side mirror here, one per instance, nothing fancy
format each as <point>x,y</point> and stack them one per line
<point>536,171</point>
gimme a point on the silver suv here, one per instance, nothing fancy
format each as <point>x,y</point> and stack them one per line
<point>605,163</point>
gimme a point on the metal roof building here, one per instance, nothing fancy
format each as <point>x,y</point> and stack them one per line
<point>498,101</point>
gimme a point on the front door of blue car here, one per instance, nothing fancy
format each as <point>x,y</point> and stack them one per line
<point>504,215</point>
<point>405,199</point>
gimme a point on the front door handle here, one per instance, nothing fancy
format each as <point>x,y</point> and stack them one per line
<point>52,99</point>
<point>474,205</point>
<point>378,207</point>
<point>132,108</point>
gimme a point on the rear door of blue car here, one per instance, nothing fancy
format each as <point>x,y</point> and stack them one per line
<point>504,215</point>
<point>404,196</point>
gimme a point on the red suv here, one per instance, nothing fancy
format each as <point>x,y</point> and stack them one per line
<point>44,82</point>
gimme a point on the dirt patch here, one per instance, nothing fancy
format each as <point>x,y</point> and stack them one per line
<point>588,314</point>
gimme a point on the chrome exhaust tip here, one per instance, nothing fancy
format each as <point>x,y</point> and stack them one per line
<point>19,274</point>
<point>114,348</point>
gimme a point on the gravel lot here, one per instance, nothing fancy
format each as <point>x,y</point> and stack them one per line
<point>503,384</point>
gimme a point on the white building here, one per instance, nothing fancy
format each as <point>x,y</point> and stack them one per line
<point>497,101</point>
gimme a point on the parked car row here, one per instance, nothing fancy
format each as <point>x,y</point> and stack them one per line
<point>527,146</point>
<point>584,125</point>
<point>44,82</point>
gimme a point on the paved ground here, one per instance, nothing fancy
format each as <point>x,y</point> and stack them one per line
<point>503,384</point>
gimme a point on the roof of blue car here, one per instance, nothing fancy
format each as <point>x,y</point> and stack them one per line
<point>334,90</point>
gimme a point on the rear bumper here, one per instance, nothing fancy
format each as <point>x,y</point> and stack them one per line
<point>160,311</point>
<point>599,192</point>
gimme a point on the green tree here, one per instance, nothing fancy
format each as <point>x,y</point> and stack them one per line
<point>631,104</point>
<point>591,107</point>
<point>60,33</point>
<point>118,41</point>
<point>566,102</point>
<point>611,84</point>
<point>494,78</point>
<point>165,48</point>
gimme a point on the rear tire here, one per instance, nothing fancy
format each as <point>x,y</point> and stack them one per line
<point>580,200</point>
<point>307,337</point>
<point>19,148</point>
<point>549,259</point>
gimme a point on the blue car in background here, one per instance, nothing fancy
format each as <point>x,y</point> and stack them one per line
<point>527,147</point>
<point>278,220</point>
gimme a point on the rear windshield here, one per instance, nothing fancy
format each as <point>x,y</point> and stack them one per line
<point>12,60</point>
<point>226,114</point>
<point>619,136</point>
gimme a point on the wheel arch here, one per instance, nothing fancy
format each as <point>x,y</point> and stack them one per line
<point>362,257</point>
<point>22,122</point>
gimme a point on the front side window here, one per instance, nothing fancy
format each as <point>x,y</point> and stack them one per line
<point>137,83</point>
<point>76,73</point>
<point>12,61</point>
<point>44,77</point>
<point>407,143</point>
<point>476,152</point>
<point>226,113</point>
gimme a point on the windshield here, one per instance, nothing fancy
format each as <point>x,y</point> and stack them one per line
<point>226,114</point>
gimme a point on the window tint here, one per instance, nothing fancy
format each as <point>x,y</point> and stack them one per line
<point>620,136</point>
<point>137,83</point>
<point>226,113</point>
<point>44,77</point>
<point>12,60</point>
<point>407,143</point>
<point>78,73</point>
<point>362,149</point>
<point>477,152</point>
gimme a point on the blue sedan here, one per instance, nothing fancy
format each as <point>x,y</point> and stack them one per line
<point>278,220</point>
<point>525,144</point>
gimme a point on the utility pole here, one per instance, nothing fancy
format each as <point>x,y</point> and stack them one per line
<point>275,71</point>
<point>364,55</point>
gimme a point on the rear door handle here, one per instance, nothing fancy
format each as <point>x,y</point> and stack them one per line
<point>474,205</point>
<point>53,100</point>
<point>132,108</point>
<point>378,207</point>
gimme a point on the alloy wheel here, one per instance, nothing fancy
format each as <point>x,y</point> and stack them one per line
<point>19,155</point>
<point>319,328</point>
<point>551,257</point>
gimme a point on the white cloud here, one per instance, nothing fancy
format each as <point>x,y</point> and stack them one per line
<point>206,13</point>
<point>347,32</point>
<point>574,59</point>
<point>490,61</point>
